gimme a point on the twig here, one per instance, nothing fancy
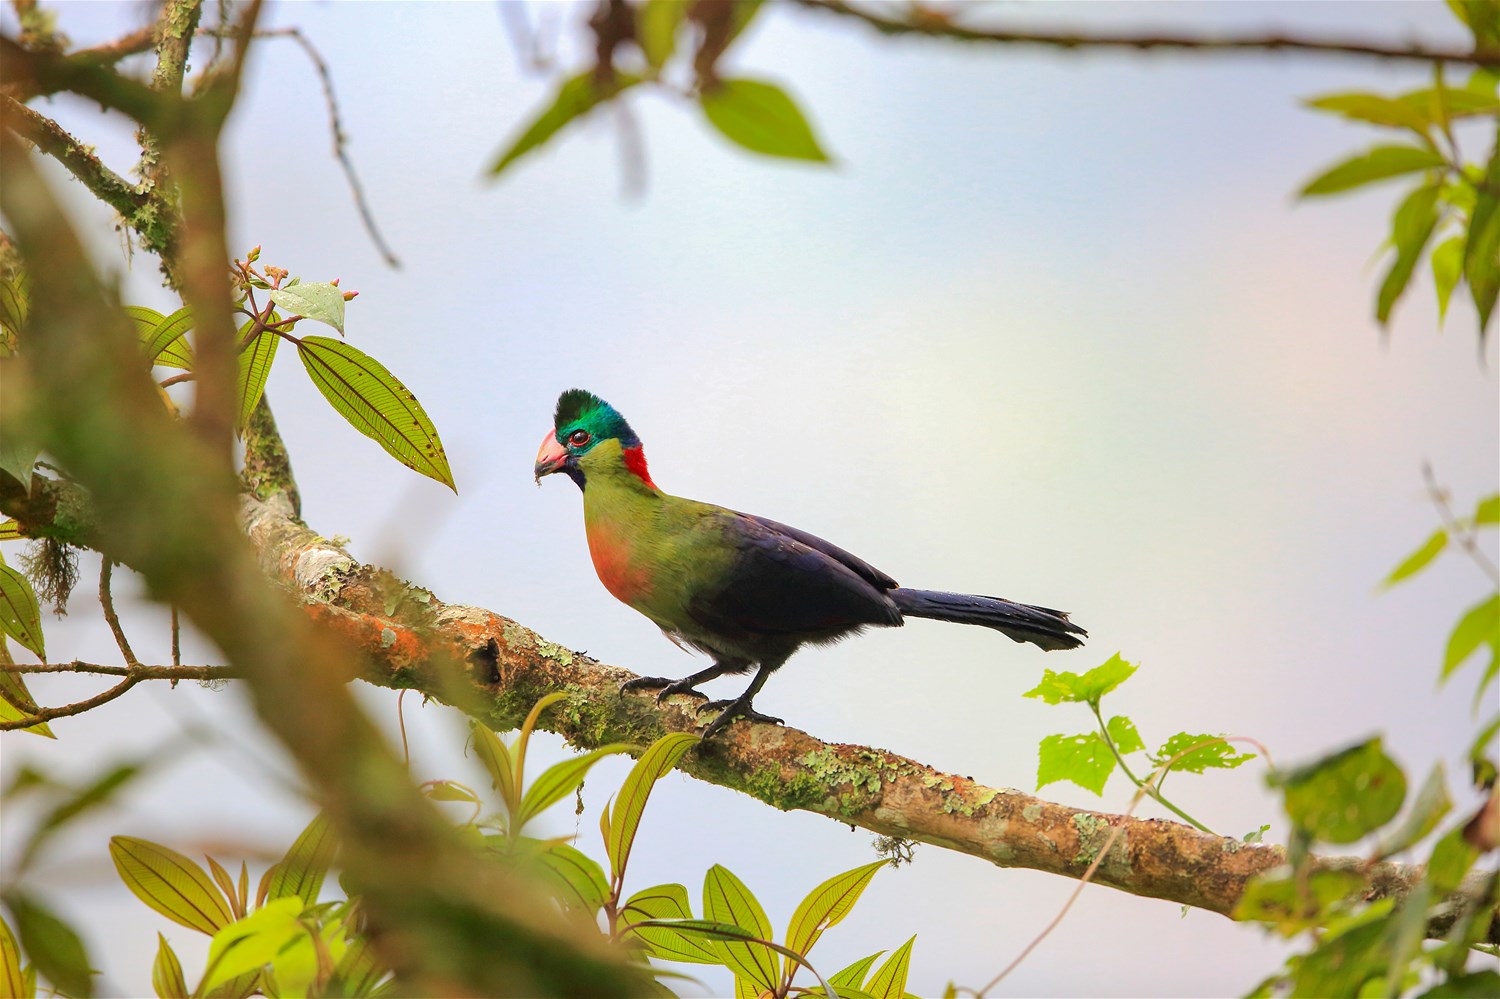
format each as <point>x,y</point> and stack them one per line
<point>107,601</point>
<point>137,672</point>
<point>1463,534</point>
<point>177,379</point>
<point>933,24</point>
<point>77,708</point>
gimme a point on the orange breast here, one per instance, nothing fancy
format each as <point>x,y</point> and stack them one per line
<point>617,570</point>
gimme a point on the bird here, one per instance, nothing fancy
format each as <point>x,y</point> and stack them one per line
<point>745,590</point>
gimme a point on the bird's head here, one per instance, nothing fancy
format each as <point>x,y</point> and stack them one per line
<point>590,436</point>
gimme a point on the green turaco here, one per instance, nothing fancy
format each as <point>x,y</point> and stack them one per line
<point>745,590</point>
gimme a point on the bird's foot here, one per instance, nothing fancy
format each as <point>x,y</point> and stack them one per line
<point>668,687</point>
<point>729,710</point>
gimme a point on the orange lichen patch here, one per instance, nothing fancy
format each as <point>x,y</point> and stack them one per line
<point>395,645</point>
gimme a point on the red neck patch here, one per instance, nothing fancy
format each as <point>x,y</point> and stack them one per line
<point>635,461</point>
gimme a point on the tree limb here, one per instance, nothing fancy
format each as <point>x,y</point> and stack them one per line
<point>936,24</point>
<point>50,137</point>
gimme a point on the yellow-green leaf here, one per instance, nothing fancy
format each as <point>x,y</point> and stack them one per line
<point>889,980</point>
<point>1412,227</point>
<point>166,972</point>
<point>825,906</point>
<point>497,760</point>
<point>1419,559</point>
<point>16,701</point>
<point>20,616</point>
<point>250,943</point>
<point>762,118</point>
<point>302,870</point>
<point>727,900</point>
<point>560,780</point>
<point>657,22</point>
<point>660,757</point>
<point>253,367</point>
<point>1447,267</point>
<point>854,975</point>
<point>170,883</point>
<point>1480,625</point>
<point>12,981</point>
<point>1488,510</point>
<point>1380,163</point>
<point>376,404</point>
<point>55,948</point>
<point>318,300</point>
<point>1375,109</point>
<point>1482,247</point>
<point>163,338</point>
<point>575,98</point>
<point>10,530</point>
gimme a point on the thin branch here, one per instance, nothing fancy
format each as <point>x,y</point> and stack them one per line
<point>1462,533</point>
<point>137,672</point>
<point>935,24</point>
<point>50,137</point>
<point>107,601</point>
<point>64,711</point>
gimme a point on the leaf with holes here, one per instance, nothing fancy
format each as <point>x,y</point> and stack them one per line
<point>313,300</point>
<point>762,118</point>
<point>1057,688</point>
<point>825,906</point>
<point>170,883</point>
<point>1200,752</point>
<point>1124,734</point>
<point>376,404</point>
<point>1083,759</point>
<point>660,757</point>
<point>306,863</point>
<point>20,615</point>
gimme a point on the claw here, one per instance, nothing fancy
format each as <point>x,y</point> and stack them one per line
<point>668,687</point>
<point>732,710</point>
<point>645,683</point>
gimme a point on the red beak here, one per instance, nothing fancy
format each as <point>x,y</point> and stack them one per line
<point>551,458</point>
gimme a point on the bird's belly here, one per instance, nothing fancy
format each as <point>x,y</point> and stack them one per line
<point>621,574</point>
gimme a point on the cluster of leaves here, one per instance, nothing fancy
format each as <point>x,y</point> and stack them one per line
<point>1455,206</point>
<point>1380,948</point>
<point>284,941</point>
<point>639,47</point>
<point>1088,759</point>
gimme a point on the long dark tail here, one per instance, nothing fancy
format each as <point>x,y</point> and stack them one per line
<point>1042,626</point>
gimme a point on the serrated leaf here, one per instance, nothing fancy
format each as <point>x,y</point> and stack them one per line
<point>1487,511</point>
<point>55,948</point>
<point>1377,164</point>
<point>1344,796</point>
<point>166,972</point>
<point>1123,733</point>
<point>889,980</point>
<point>1447,266</point>
<point>20,615</point>
<point>660,757</point>
<point>250,943</point>
<point>1411,228</point>
<point>163,338</point>
<point>657,22</point>
<point>1375,109</point>
<point>727,900</point>
<point>1480,625</point>
<point>306,863</point>
<point>312,300</point>
<point>1419,559</point>
<point>1293,904</point>
<point>574,99</point>
<point>1083,759</point>
<point>12,979</point>
<point>1212,752</point>
<point>1482,246</point>
<point>376,404</point>
<point>253,367</point>
<point>825,906</point>
<point>170,883</point>
<point>495,756</point>
<point>1088,688</point>
<point>560,780</point>
<point>762,118</point>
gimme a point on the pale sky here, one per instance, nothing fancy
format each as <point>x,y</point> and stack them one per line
<point>1054,327</point>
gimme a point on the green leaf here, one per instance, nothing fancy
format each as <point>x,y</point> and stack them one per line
<point>560,780</point>
<point>656,24</point>
<point>1411,228</point>
<point>1447,265</point>
<point>10,530</point>
<point>1379,163</point>
<point>55,948</point>
<point>1483,984</point>
<point>16,701</point>
<point>1427,810</point>
<point>18,448</point>
<point>1346,795</point>
<point>1479,626</point>
<point>163,338</point>
<point>760,117</point>
<point>1376,110</point>
<point>448,790</point>
<point>889,980</point>
<point>1419,559</point>
<point>20,616</point>
<point>1488,510</point>
<point>1343,962</point>
<point>495,756</point>
<point>170,883</point>
<point>720,934</point>
<point>1122,732</point>
<point>854,975</point>
<point>376,404</point>
<point>727,900</point>
<point>166,972</point>
<point>1083,759</point>
<point>666,902</point>
<point>306,863</point>
<point>660,757</point>
<point>577,880</point>
<point>358,972</point>
<point>99,791</point>
<point>12,979</point>
<point>1212,751</point>
<point>253,367</point>
<point>1482,741</point>
<point>1056,688</point>
<point>1451,858</point>
<point>1293,903</point>
<point>14,305</point>
<point>574,99</point>
<point>825,906</point>
<point>251,943</point>
<point>1482,247</point>
<point>313,300</point>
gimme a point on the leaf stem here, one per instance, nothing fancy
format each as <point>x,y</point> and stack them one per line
<point>1145,786</point>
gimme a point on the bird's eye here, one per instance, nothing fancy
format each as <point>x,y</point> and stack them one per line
<point>578,438</point>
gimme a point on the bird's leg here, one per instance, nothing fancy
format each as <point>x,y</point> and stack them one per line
<point>687,685</point>
<point>740,707</point>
